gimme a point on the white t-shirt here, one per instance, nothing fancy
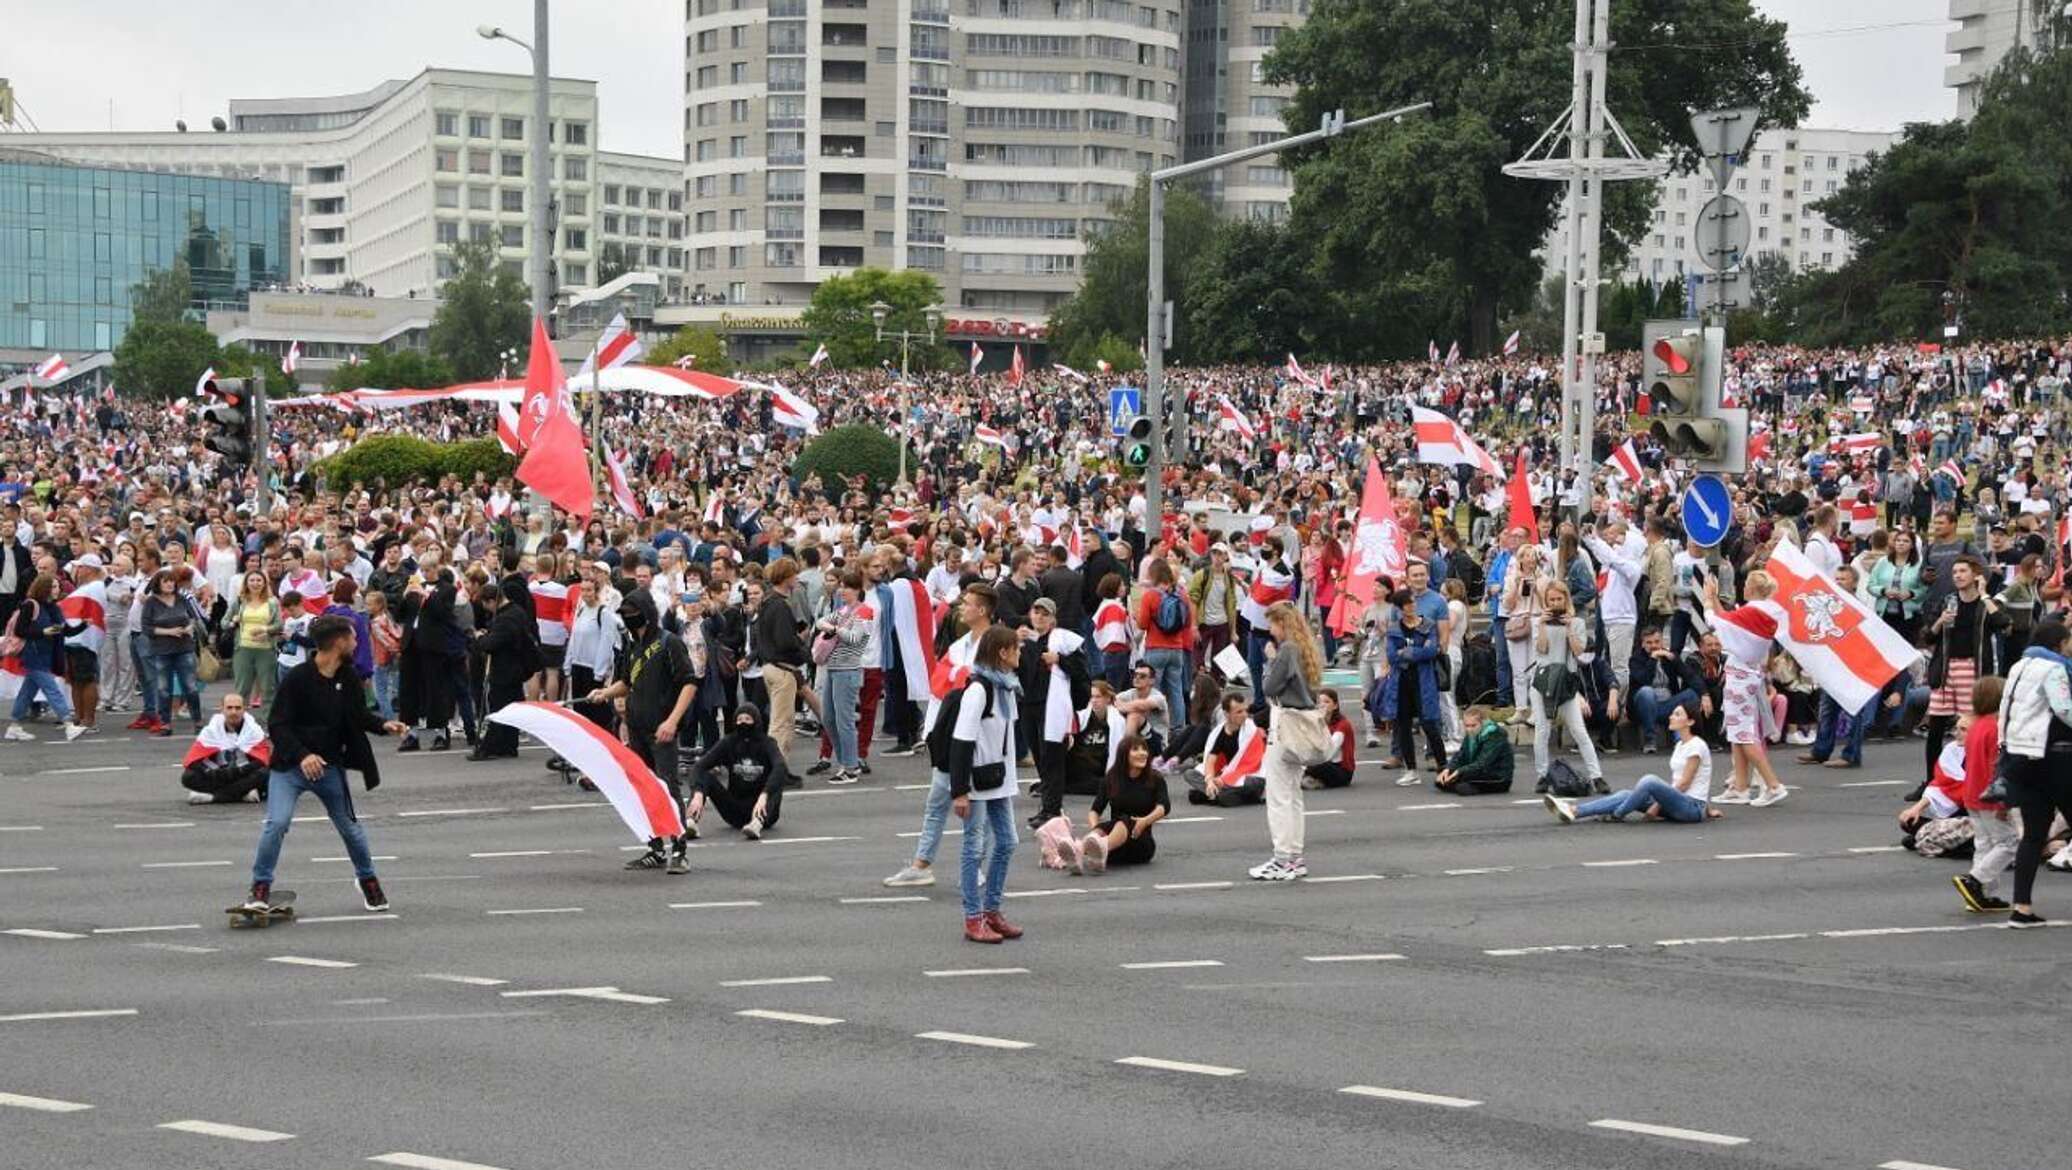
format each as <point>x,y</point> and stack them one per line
<point>1687,750</point>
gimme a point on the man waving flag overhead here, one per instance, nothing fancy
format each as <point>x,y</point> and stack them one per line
<point>617,347</point>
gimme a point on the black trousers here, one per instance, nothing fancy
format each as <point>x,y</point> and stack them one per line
<point>499,739</point>
<point>660,756</point>
<point>2039,788</point>
<point>428,689</point>
<point>1331,774</point>
<point>734,810</point>
<point>1053,766</point>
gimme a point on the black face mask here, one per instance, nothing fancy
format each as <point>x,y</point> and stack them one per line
<point>635,620</point>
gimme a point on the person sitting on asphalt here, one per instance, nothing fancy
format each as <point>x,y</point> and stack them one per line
<point>742,777</point>
<point>1089,754</point>
<point>1686,799</point>
<point>1936,825</point>
<point>1144,705</point>
<point>1336,772</point>
<point>1483,763</point>
<point>1229,774</point>
<point>229,758</point>
<point>1132,799</point>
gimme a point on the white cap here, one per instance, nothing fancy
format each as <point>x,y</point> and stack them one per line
<point>89,561</point>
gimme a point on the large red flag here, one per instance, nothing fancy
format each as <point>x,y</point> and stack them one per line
<point>1520,495</point>
<point>545,392</point>
<point>557,466</point>
<point>1379,548</point>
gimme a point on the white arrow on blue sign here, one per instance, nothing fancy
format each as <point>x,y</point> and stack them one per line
<point>1707,510</point>
<point>1124,403</point>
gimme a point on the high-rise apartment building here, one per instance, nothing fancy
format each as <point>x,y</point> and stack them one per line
<point>1229,105</point>
<point>1987,31</point>
<point>980,140</point>
<point>639,219</point>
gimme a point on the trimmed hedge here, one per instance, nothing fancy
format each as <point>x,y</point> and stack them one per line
<point>401,459</point>
<point>852,450</point>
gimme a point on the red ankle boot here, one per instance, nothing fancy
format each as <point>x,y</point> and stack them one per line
<point>977,930</point>
<point>1002,926</point>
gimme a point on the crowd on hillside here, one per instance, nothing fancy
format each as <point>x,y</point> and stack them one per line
<point>138,577</point>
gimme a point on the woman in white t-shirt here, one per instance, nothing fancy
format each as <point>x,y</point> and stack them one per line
<point>1685,799</point>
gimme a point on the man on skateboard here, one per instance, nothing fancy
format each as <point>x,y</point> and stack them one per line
<point>319,725</point>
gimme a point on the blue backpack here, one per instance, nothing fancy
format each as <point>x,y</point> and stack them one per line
<point>1171,617</point>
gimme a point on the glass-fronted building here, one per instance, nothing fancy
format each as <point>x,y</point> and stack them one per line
<point>74,240</point>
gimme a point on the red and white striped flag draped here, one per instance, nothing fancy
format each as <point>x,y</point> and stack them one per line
<point>977,355</point>
<point>1102,365</point>
<point>715,509</point>
<point>1069,372</point>
<point>52,368</point>
<point>1016,371</point>
<point>1230,418</point>
<point>1759,446</point>
<point>913,623</point>
<point>621,486</point>
<point>1441,440</point>
<point>1112,627</point>
<point>789,410</point>
<point>1431,350</point>
<point>1862,404</point>
<point>899,517</point>
<point>1626,461</point>
<point>201,384</point>
<point>1845,647</point>
<point>819,356</point>
<point>1075,548</point>
<point>1865,441</point>
<point>507,429</point>
<point>552,609</point>
<point>1950,468</point>
<point>1295,373</point>
<point>1453,353</point>
<point>1269,585</point>
<point>291,359</point>
<point>89,604</point>
<point>1511,342</point>
<point>617,346</point>
<point>1379,547</point>
<point>986,434</point>
<point>640,799</point>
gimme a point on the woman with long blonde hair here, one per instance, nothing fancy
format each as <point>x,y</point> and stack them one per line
<point>1294,671</point>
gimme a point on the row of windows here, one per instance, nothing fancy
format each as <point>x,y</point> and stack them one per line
<point>447,161</point>
<point>510,199</point>
<point>1020,118</point>
<point>447,124</point>
<point>654,226</point>
<point>631,197</point>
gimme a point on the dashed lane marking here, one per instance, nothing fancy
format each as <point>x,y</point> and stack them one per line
<point>1902,1164</point>
<point>1750,856</point>
<point>450,812</point>
<point>1670,1131</point>
<point>156,825</point>
<point>30,869</point>
<point>1877,848</point>
<point>146,929</point>
<point>1558,949</point>
<point>742,904</point>
<point>236,1133</point>
<point>466,980</point>
<point>335,860</point>
<point>1345,877</point>
<point>529,853</point>
<point>805,840</point>
<point>185,864</point>
<point>1323,812</point>
<point>1206,1070</point>
<point>974,1041</point>
<point>1872,784</point>
<point>788,1017</point>
<point>1193,886</point>
<point>21,828</point>
<point>945,832</point>
<point>606,994</point>
<point>1479,870</point>
<point>32,932</point>
<point>1172,964</point>
<point>535,910</point>
<point>42,1104</point>
<point>571,804</point>
<point>305,961</point>
<point>427,1162</point>
<point>1050,893</point>
<point>87,771</point>
<point>1188,820</point>
<point>884,900</point>
<point>93,1014</point>
<point>359,1002</point>
<point>177,948</point>
<point>318,919</point>
<point>963,972</point>
<point>1428,807</point>
<point>1383,957</point>
<point>1414,1098</point>
<point>777,981</point>
<point>1620,864</point>
<point>1731,938</point>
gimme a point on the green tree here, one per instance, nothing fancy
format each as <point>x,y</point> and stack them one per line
<point>1121,356</point>
<point>1539,326</point>
<point>1251,297</point>
<point>165,294</point>
<point>1418,220</point>
<point>483,310</point>
<point>401,369</point>
<point>707,354</point>
<point>839,317</point>
<point>161,359</point>
<point>849,451</point>
<point>1113,273</point>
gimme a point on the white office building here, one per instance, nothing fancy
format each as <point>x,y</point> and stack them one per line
<point>1987,31</point>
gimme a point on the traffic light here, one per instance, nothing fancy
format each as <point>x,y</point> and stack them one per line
<point>1136,442</point>
<point>1681,371</point>
<point>230,421</point>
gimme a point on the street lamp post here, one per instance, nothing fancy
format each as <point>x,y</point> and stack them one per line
<point>879,311</point>
<point>542,255</point>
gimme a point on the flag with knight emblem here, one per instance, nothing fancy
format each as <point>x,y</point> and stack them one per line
<point>1379,547</point>
<point>1845,647</point>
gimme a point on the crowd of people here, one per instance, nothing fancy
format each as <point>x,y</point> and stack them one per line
<point>1082,645</point>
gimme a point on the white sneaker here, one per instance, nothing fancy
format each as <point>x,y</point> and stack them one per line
<point>1564,810</point>
<point>1732,797</point>
<point>20,734</point>
<point>1408,780</point>
<point>753,830</point>
<point>74,731</point>
<point>1770,796</point>
<point>911,875</point>
<point>1373,740</point>
<point>2063,861</point>
<point>199,798</point>
<point>1276,870</point>
<point>1800,738</point>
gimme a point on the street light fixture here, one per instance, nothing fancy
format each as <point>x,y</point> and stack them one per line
<point>542,237</point>
<point>933,315</point>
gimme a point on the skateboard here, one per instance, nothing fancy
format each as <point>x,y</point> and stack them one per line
<point>282,909</point>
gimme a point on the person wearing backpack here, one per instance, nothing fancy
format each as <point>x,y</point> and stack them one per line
<point>983,781</point>
<point>1167,619</point>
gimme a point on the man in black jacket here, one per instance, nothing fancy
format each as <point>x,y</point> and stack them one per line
<point>319,724</point>
<point>1062,584</point>
<point>511,645</point>
<point>742,776</point>
<point>653,675</point>
<point>780,649</point>
<point>1659,682</point>
<point>431,669</point>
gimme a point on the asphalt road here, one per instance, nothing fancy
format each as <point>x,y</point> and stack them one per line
<point>1462,984</point>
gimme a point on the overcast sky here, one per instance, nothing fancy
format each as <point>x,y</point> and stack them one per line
<point>142,63</point>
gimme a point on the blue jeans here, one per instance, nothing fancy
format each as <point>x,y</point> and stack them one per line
<point>147,674</point>
<point>839,690</point>
<point>385,681</point>
<point>1836,723</point>
<point>1255,663</point>
<point>988,835</point>
<point>1651,707</point>
<point>177,667</point>
<point>283,788</point>
<point>1653,790</point>
<point>1171,681</point>
<point>42,682</point>
<point>933,814</point>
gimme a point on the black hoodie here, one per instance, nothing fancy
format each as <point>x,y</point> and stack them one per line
<point>746,761</point>
<point>655,664</point>
<point>512,641</point>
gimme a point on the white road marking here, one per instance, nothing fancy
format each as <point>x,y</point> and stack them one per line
<point>806,840</point>
<point>529,853</point>
<point>740,905</point>
<point>303,961</point>
<point>1207,1070</point>
<point>1877,849</point>
<point>1480,870</point>
<point>1670,1131</point>
<point>1415,1098</point>
<point>450,812</point>
<point>1323,812</point>
<point>1194,886</point>
<point>86,771</point>
<point>23,829</point>
<point>1621,864</point>
<point>884,900</point>
<point>960,972</point>
<point>1172,964</point>
<point>30,869</point>
<point>1730,938</point>
<point>468,980</point>
<point>96,1014</point>
<point>1428,807</point>
<point>42,1104</point>
<point>1750,856</point>
<point>1529,800</point>
<point>177,948</point>
<point>1053,893</point>
<point>536,910</point>
<point>32,932</point>
<point>788,1017</point>
<point>974,1041</point>
<point>364,916</point>
<point>945,832</point>
<point>427,1162</point>
<point>236,1133</point>
<point>912,787</point>
<point>777,981</point>
<point>159,825</point>
<point>1345,877</point>
<point>1188,820</point>
<point>419,1018</point>
<point>572,804</point>
<point>185,864</point>
<point>1383,957</point>
<point>1872,784</point>
<point>1563,949</point>
<point>606,994</point>
<point>376,857</point>
<point>146,929</point>
<point>1902,1164</point>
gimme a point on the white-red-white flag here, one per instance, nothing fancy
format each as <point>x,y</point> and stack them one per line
<point>1950,468</point>
<point>1230,418</point>
<point>1379,546</point>
<point>1866,441</point>
<point>1453,353</point>
<point>1069,372</point>
<point>201,384</point>
<point>819,356</point>
<point>1441,440</point>
<point>986,434</point>
<point>1626,461</point>
<point>789,410</point>
<point>507,429</point>
<point>621,485</point>
<point>685,362</point>
<point>617,346</point>
<point>1431,350</point>
<point>977,355</point>
<point>1832,634</point>
<point>1102,365</point>
<point>1016,371</point>
<point>291,359</point>
<point>1295,373</point>
<point>52,368</point>
<point>1511,342</point>
<point>640,799</point>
